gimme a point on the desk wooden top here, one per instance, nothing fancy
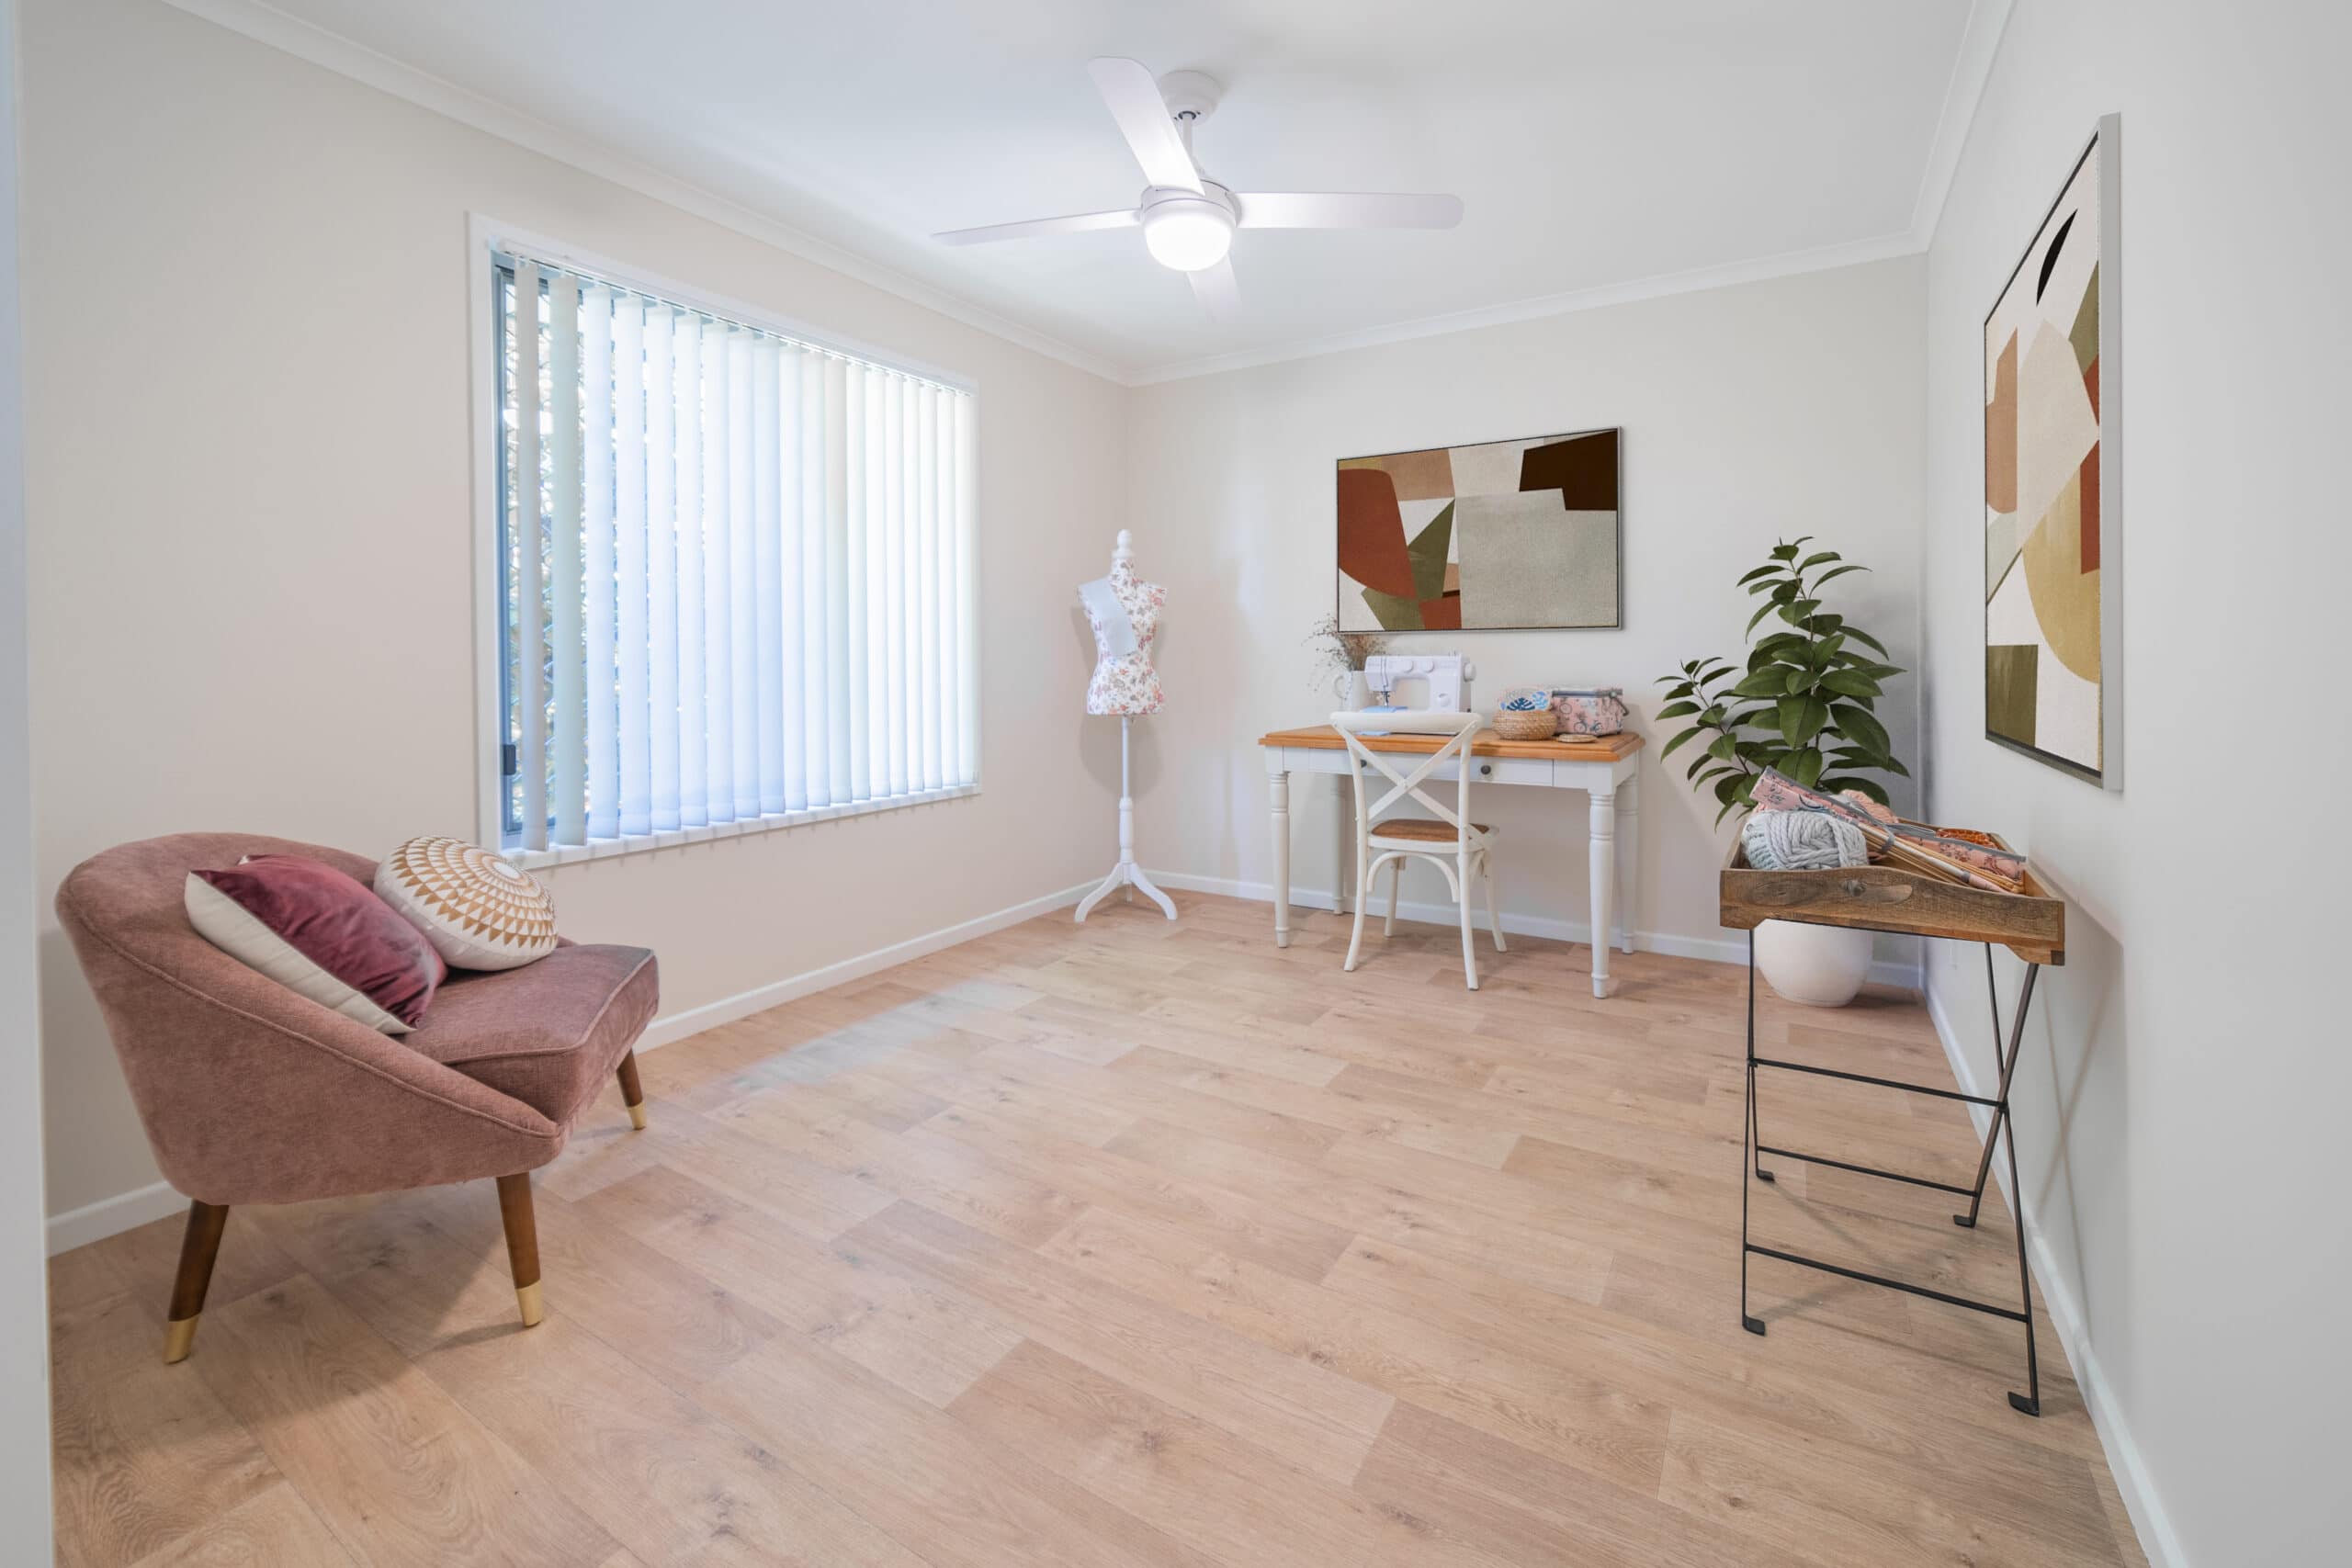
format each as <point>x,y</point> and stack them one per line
<point>1585,748</point>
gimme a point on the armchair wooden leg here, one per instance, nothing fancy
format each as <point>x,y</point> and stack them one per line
<point>522,1245</point>
<point>199,1248</point>
<point>633,1092</point>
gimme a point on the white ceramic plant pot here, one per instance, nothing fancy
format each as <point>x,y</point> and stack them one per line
<point>1820,967</point>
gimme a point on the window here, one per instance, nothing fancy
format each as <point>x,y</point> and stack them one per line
<point>735,571</point>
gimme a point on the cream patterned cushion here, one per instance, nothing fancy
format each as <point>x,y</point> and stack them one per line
<point>477,910</point>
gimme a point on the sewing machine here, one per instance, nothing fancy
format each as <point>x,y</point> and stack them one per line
<point>1423,682</point>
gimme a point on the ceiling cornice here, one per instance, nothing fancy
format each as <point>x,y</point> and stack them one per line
<point>266,24</point>
<point>1851,254</point>
<point>1980,41</point>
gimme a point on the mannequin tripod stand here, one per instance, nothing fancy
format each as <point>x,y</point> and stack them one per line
<point>1127,874</point>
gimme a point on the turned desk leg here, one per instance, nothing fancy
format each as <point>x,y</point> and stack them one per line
<point>1278,796</point>
<point>1604,885</point>
<point>1629,864</point>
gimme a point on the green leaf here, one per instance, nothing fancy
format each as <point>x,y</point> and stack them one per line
<point>1677,710</point>
<point>1766,683</point>
<point>1850,566</point>
<point>1724,748</point>
<point>1677,740</point>
<point>1761,611</point>
<point>1796,610</point>
<point>1819,557</point>
<point>1858,724</point>
<point>1785,552</point>
<point>1727,787</point>
<point>1760,571</point>
<point>1717,673</point>
<point>1863,637</point>
<point>1798,680</point>
<point>1715,772</point>
<point>1852,683</point>
<point>1801,718</point>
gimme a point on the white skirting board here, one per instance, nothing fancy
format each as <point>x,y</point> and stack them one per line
<point>743,1004</point>
<point>1728,950</point>
<point>126,1211</point>
<point>2131,1478</point>
<point>109,1216</point>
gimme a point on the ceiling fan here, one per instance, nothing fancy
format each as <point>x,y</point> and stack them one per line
<point>1187,218</point>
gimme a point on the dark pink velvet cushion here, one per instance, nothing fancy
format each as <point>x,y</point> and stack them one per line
<point>340,925</point>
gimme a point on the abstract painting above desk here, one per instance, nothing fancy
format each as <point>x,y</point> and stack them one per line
<point>2052,636</point>
<point>1503,536</point>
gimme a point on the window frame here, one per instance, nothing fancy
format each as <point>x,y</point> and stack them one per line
<point>491,245</point>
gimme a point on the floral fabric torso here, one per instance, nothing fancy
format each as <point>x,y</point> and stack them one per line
<point>1126,682</point>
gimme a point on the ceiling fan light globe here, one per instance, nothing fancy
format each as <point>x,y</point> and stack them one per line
<point>1188,235</point>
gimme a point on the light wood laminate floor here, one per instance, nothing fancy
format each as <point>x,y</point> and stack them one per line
<point>1117,1245</point>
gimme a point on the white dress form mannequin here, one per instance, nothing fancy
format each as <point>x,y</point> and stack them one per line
<point>1124,613</point>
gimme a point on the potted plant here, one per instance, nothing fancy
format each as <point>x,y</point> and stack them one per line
<point>1340,658</point>
<point>1801,706</point>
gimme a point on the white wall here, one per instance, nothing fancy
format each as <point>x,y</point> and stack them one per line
<point>245,285</point>
<point>24,1302</point>
<point>1770,409</point>
<point>2183,1093</point>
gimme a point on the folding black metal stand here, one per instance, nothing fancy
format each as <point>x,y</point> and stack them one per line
<point>1753,1149</point>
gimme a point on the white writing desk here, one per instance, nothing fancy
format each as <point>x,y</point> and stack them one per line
<point>1606,768</point>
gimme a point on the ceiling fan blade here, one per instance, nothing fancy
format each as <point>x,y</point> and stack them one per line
<point>1128,88</point>
<point>1077,223</point>
<point>1333,209</point>
<point>1218,291</point>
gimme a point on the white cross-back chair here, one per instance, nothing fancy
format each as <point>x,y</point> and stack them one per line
<point>1449,840</point>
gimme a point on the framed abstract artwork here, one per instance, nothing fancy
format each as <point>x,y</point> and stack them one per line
<point>1499,536</point>
<point>2052,610</point>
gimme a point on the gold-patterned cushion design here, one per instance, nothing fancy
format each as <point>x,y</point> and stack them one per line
<point>478,911</point>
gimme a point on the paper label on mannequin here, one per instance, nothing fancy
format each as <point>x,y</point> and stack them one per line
<point>1112,627</point>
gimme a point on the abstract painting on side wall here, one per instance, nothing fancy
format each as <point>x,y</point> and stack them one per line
<point>1506,534</point>
<point>2051,625</point>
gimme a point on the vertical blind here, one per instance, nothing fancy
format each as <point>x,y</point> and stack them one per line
<point>738,571</point>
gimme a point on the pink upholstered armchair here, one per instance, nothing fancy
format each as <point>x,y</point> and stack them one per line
<point>253,1094</point>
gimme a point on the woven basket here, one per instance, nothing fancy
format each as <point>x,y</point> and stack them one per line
<point>1526,724</point>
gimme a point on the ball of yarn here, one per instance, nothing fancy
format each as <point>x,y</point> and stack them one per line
<point>1802,840</point>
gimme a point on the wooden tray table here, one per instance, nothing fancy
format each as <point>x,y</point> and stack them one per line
<point>2030,924</point>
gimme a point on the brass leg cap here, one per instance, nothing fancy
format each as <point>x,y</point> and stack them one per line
<point>637,1116</point>
<point>179,1338</point>
<point>528,1298</point>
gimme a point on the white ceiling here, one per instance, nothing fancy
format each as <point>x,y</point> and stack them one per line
<point>1597,144</point>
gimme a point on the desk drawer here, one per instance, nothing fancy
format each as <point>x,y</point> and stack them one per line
<point>1510,770</point>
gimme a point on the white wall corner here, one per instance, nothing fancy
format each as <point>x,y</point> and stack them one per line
<point>1980,40</point>
<point>2138,1487</point>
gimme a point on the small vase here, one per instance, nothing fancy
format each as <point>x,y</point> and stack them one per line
<point>1820,967</point>
<point>1355,689</point>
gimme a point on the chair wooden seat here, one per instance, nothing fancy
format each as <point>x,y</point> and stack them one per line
<point>1420,831</point>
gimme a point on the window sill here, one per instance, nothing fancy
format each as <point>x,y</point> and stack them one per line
<point>636,843</point>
